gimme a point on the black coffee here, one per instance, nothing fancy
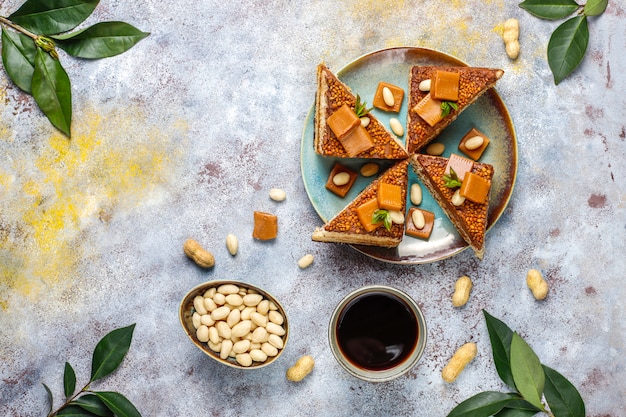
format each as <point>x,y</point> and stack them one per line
<point>377,331</point>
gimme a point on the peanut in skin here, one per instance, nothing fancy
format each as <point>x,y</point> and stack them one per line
<point>537,284</point>
<point>302,368</point>
<point>464,355</point>
<point>510,36</point>
<point>462,289</point>
<point>198,254</point>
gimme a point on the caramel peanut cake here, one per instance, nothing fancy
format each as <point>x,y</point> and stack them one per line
<point>339,130</point>
<point>461,187</point>
<point>376,216</point>
<point>437,95</point>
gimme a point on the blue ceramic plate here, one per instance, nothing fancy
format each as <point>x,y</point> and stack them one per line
<point>488,114</point>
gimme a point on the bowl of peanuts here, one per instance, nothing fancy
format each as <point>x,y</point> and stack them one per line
<point>235,323</point>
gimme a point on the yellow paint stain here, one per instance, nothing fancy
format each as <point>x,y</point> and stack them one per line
<point>111,163</point>
<point>457,4</point>
<point>5,132</point>
<point>499,29</point>
<point>395,42</point>
<point>5,180</point>
<point>381,8</point>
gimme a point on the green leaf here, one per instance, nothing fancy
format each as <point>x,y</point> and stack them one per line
<point>500,335</point>
<point>550,9</point>
<point>518,408</point>
<point>514,412</point>
<point>527,371</point>
<point>484,404</point>
<point>18,58</point>
<point>361,109</point>
<point>382,216</point>
<point>595,7</point>
<point>101,40</point>
<point>117,403</point>
<point>110,352</point>
<point>562,397</point>
<point>451,180</point>
<point>567,47</point>
<point>93,404</point>
<point>50,398</point>
<point>53,16</point>
<point>52,91</point>
<point>447,107</point>
<point>74,411</point>
<point>69,380</point>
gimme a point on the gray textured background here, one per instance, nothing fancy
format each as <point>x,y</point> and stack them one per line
<point>184,135</point>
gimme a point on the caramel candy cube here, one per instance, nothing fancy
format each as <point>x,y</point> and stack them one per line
<point>343,121</point>
<point>379,100</point>
<point>265,226</point>
<point>445,86</point>
<point>460,165</point>
<point>475,154</point>
<point>365,213</point>
<point>424,232</point>
<point>340,190</point>
<point>475,188</point>
<point>389,196</point>
<point>429,109</point>
<point>357,141</point>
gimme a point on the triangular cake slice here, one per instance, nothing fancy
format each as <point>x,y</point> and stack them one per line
<point>470,218</point>
<point>347,227</point>
<point>331,95</point>
<point>472,83</point>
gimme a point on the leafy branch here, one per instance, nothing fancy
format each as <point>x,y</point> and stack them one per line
<point>568,43</point>
<point>107,357</point>
<point>519,367</point>
<point>30,58</point>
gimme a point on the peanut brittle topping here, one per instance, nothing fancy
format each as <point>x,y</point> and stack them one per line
<point>348,221</point>
<point>472,215</point>
<point>472,83</point>
<point>384,147</point>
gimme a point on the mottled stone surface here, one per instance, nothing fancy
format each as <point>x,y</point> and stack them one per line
<point>184,135</point>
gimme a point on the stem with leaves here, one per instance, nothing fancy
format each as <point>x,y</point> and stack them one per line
<point>18,28</point>
<point>30,58</point>
<point>568,43</point>
<point>519,367</point>
<point>107,356</point>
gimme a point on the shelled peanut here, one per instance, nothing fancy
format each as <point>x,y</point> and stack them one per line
<point>238,323</point>
<point>305,261</point>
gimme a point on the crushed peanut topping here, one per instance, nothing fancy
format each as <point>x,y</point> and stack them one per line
<point>348,220</point>
<point>473,82</point>
<point>385,146</point>
<point>470,216</point>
